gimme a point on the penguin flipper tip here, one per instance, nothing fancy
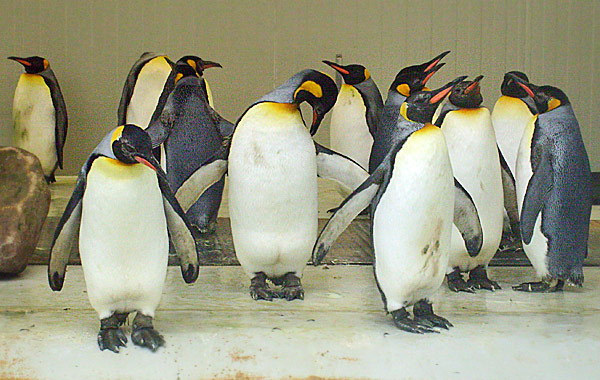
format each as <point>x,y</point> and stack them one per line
<point>56,281</point>
<point>190,275</point>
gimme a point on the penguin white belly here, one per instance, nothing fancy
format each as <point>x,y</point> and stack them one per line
<point>273,190</point>
<point>537,249</point>
<point>413,220</point>
<point>476,165</point>
<point>510,117</point>
<point>123,239</point>
<point>349,131</point>
<point>35,120</point>
<point>147,90</point>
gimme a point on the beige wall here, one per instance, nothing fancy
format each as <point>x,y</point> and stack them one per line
<point>92,44</point>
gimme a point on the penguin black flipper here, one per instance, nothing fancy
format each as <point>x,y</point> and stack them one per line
<point>67,229</point>
<point>60,113</point>
<point>466,219</point>
<point>510,196</point>
<point>207,175</point>
<point>180,231</point>
<point>339,168</point>
<point>159,129</point>
<point>224,126</point>
<point>373,101</point>
<point>130,84</point>
<point>538,191</point>
<point>347,211</point>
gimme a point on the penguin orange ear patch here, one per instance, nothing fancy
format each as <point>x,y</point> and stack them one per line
<point>117,134</point>
<point>553,103</point>
<point>178,77</point>
<point>403,89</point>
<point>367,74</point>
<point>312,87</point>
<point>192,63</point>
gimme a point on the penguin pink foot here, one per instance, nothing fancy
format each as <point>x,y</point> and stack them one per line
<point>478,279</point>
<point>144,335</point>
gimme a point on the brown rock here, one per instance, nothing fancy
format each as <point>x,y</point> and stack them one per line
<point>24,205</point>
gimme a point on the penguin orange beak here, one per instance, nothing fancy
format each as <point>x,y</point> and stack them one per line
<point>473,85</point>
<point>433,71</point>
<point>317,118</point>
<point>143,161</point>
<point>525,87</point>
<point>337,68</point>
<point>21,61</point>
<point>445,90</point>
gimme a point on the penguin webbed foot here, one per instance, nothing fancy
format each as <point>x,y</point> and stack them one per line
<point>403,321</point>
<point>292,288</point>
<point>259,289</point>
<point>478,279</point>
<point>540,287</point>
<point>423,312</point>
<point>144,335</point>
<point>110,336</point>
<point>456,283</point>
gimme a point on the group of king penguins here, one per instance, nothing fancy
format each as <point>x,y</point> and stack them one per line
<point>440,177</point>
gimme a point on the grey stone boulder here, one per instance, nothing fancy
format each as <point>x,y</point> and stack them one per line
<point>24,205</point>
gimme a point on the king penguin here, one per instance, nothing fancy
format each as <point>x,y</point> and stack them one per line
<point>273,164</point>
<point>142,89</point>
<point>355,114</point>
<point>191,132</point>
<point>410,79</point>
<point>40,114</point>
<point>553,191</point>
<point>411,194</point>
<point>468,129</point>
<point>122,207</point>
<point>510,116</point>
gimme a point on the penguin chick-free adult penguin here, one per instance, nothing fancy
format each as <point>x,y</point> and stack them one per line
<point>411,194</point>
<point>553,191</point>
<point>410,79</point>
<point>476,164</point>
<point>273,164</point>
<point>191,132</point>
<point>40,114</point>
<point>355,114</point>
<point>142,89</point>
<point>510,116</point>
<point>122,207</point>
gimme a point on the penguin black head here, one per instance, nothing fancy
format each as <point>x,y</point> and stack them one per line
<point>546,98</point>
<point>131,145</point>
<point>33,65</point>
<point>467,94</point>
<point>318,90</point>
<point>197,63</point>
<point>183,70</point>
<point>414,78</point>
<point>421,105</point>
<point>511,88</point>
<point>352,74</point>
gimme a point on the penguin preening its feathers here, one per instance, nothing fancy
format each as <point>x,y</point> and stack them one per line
<point>40,114</point>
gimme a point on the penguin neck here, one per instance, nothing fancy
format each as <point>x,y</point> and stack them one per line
<point>394,99</point>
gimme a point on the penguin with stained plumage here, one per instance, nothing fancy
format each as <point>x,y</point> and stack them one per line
<point>122,207</point>
<point>273,164</point>
<point>142,89</point>
<point>191,132</point>
<point>553,191</point>
<point>468,129</point>
<point>355,114</point>
<point>411,194</point>
<point>408,80</point>
<point>40,114</point>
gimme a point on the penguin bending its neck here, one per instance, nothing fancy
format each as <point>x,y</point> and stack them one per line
<point>553,191</point>
<point>40,114</point>
<point>411,194</point>
<point>273,164</point>
<point>409,80</point>
<point>124,211</point>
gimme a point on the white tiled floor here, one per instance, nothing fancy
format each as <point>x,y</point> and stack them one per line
<point>215,331</point>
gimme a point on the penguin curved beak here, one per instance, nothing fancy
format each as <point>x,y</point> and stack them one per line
<point>208,64</point>
<point>22,61</point>
<point>317,119</point>
<point>336,67</point>
<point>440,93</point>
<point>144,161</point>
<point>528,87</point>
<point>473,85</point>
<point>432,71</point>
<point>431,64</point>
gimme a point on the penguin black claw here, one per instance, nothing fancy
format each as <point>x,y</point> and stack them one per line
<point>423,312</point>
<point>144,335</point>
<point>292,288</point>
<point>456,283</point>
<point>478,279</point>
<point>402,321</point>
<point>110,336</point>
<point>540,287</point>
<point>259,289</point>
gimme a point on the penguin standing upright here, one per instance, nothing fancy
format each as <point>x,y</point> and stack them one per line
<point>273,164</point>
<point>553,190</point>
<point>122,207</point>
<point>408,80</point>
<point>40,114</point>
<point>191,132</point>
<point>411,194</point>
<point>355,114</point>
<point>142,89</point>
<point>474,155</point>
